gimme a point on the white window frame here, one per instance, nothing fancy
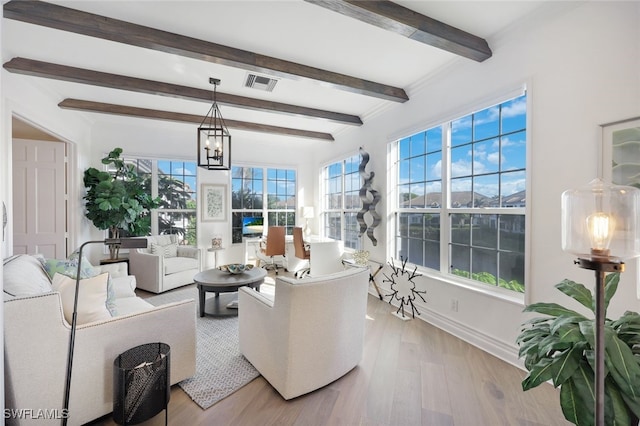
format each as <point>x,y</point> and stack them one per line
<point>445,210</point>
<point>342,210</point>
<point>265,210</point>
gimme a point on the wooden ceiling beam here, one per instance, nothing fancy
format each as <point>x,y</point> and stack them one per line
<point>105,108</point>
<point>398,19</point>
<point>76,21</point>
<point>114,81</point>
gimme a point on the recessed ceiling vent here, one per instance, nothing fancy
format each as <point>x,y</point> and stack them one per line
<point>260,82</point>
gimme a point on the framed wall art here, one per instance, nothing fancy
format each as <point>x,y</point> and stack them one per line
<point>214,203</point>
<point>621,152</point>
<point>621,162</point>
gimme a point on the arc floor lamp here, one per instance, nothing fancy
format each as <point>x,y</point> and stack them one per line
<point>125,243</point>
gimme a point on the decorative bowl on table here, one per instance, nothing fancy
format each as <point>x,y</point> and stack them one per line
<point>235,268</point>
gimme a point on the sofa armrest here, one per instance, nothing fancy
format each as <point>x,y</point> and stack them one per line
<point>148,269</point>
<point>263,332</point>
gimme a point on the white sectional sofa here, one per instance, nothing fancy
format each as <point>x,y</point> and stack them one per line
<point>36,339</point>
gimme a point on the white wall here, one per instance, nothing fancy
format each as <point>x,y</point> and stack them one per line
<point>580,62</point>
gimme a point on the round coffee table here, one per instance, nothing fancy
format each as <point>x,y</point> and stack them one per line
<point>217,281</point>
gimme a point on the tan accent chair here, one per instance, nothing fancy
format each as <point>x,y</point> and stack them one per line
<point>309,334</point>
<point>164,264</point>
<point>272,251</point>
<point>301,251</point>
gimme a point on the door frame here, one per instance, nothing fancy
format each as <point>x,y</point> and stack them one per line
<point>71,182</point>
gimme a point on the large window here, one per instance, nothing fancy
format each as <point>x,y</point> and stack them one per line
<point>461,196</point>
<point>264,193</point>
<point>175,183</point>
<point>341,186</point>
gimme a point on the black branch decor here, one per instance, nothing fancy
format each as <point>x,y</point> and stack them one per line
<point>401,273</point>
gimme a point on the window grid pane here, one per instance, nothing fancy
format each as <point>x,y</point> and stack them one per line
<point>248,198</point>
<point>341,199</point>
<point>487,170</point>
<point>176,188</point>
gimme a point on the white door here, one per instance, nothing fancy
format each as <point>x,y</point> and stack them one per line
<point>39,198</point>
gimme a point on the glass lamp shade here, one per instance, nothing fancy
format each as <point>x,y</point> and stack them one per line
<point>600,220</point>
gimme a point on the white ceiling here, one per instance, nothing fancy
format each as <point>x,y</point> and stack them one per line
<point>291,30</point>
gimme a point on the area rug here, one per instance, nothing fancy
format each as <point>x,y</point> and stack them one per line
<point>220,368</point>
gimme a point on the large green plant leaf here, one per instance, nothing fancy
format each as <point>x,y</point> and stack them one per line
<point>568,362</point>
<point>545,370</point>
<point>616,411</point>
<point>551,309</point>
<point>552,343</point>
<point>623,366</point>
<point>610,287</point>
<point>577,396</point>
<point>632,404</point>
<point>577,292</point>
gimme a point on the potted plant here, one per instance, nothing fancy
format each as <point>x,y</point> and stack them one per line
<point>117,199</point>
<point>560,347</point>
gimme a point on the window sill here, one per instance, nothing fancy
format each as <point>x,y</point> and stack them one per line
<point>483,289</point>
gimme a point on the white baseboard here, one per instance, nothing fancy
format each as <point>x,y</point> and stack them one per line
<point>505,351</point>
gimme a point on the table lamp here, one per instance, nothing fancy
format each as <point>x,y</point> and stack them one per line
<point>307,213</point>
<point>600,226</point>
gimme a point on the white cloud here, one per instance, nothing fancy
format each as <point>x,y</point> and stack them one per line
<point>516,108</point>
<point>494,158</point>
<point>437,169</point>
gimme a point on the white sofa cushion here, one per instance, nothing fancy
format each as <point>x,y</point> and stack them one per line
<point>123,287</point>
<point>92,297</point>
<point>173,265</point>
<point>132,305</point>
<point>23,275</point>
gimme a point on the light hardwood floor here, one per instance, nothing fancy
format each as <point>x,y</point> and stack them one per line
<point>411,373</point>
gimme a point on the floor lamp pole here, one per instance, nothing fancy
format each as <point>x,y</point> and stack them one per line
<point>126,243</point>
<point>72,338</point>
<point>599,327</point>
<point>601,266</point>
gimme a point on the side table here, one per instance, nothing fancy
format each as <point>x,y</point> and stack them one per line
<point>215,251</point>
<point>141,383</point>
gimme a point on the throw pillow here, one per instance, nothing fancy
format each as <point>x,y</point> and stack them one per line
<point>92,297</point>
<point>168,250</point>
<point>69,267</point>
<point>23,275</point>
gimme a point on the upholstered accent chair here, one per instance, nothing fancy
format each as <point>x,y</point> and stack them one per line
<point>309,334</point>
<point>164,264</point>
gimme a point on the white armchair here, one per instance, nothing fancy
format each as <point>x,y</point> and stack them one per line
<point>309,334</point>
<point>164,264</point>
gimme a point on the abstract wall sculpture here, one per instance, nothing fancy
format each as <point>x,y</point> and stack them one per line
<point>403,288</point>
<point>370,198</point>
